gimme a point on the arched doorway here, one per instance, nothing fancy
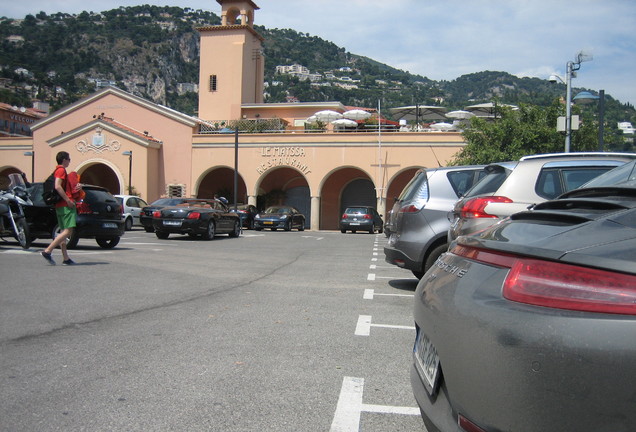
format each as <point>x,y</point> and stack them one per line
<point>100,175</point>
<point>285,186</point>
<point>359,192</point>
<point>220,182</point>
<point>346,186</point>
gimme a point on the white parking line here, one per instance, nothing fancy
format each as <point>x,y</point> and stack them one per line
<point>369,293</point>
<point>350,407</point>
<point>363,327</point>
<point>371,277</point>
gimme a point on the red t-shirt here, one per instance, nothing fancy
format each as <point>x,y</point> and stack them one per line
<point>60,172</point>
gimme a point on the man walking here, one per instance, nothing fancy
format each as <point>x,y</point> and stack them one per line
<point>64,209</point>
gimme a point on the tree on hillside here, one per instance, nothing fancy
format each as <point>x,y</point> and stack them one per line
<point>520,132</point>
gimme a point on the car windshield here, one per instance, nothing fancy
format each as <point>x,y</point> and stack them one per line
<point>277,210</point>
<point>488,185</point>
<point>618,175</point>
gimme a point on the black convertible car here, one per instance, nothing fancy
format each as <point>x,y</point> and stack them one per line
<point>204,217</point>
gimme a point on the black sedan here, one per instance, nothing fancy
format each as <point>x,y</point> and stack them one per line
<point>529,325</point>
<point>284,217</point>
<point>196,217</point>
<point>361,218</point>
<point>145,216</point>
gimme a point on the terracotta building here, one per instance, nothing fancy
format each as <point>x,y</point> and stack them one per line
<point>278,157</point>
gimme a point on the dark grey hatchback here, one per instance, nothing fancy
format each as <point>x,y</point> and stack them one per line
<point>529,325</point>
<point>361,218</point>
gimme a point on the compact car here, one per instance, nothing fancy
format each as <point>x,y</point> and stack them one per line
<point>132,205</point>
<point>420,216</point>
<point>99,216</point>
<point>196,217</point>
<point>510,187</point>
<point>361,218</point>
<point>283,217</point>
<point>145,216</point>
<point>529,324</point>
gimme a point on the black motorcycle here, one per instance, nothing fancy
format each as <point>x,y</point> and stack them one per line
<point>12,220</point>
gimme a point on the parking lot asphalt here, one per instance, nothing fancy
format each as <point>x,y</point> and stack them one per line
<point>272,331</point>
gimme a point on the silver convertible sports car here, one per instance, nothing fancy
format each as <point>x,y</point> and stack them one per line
<point>530,325</point>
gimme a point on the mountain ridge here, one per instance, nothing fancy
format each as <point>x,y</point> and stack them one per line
<point>152,52</point>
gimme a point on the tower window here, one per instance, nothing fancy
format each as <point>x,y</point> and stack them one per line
<point>213,83</point>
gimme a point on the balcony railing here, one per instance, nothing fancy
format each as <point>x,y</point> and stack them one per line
<point>278,125</point>
<point>270,125</point>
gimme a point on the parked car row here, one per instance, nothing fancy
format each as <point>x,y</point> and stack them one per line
<point>528,320</point>
<point>440,204</point>
<point>274,217</point>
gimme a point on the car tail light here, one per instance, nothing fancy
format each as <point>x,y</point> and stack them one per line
<point>344,216</point>
<point>560,286</point>
<point>83,208</point>
<point>194,215</point>
<point>156,214</point>
<point>366,216</point>
<point>475,207</point>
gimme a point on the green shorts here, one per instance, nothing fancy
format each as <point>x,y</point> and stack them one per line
<point>66,217</point>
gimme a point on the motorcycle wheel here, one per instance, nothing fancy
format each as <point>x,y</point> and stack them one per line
<point>23,236</point>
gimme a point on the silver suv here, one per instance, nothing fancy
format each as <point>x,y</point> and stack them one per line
<point>511,187</point>
<point>420,216</point>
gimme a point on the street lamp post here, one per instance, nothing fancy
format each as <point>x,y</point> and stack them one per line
<point>129,154</point>
<point>569,69</point>
<point>32,154</point>
<point>570,72</point>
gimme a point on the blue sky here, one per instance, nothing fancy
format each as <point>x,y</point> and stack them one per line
<point>444,40</point>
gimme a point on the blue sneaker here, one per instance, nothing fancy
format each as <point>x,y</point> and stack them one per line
<point>48,258</point>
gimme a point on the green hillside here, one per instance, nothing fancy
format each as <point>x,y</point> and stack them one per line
<point>153,52</point>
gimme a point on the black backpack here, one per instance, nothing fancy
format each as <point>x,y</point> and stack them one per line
<point>49,194</point>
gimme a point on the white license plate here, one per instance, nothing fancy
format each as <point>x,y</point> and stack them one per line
<point>172,223</point>
<point>427,362</point>
<point>109,225</point>
<point>354,223</point>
